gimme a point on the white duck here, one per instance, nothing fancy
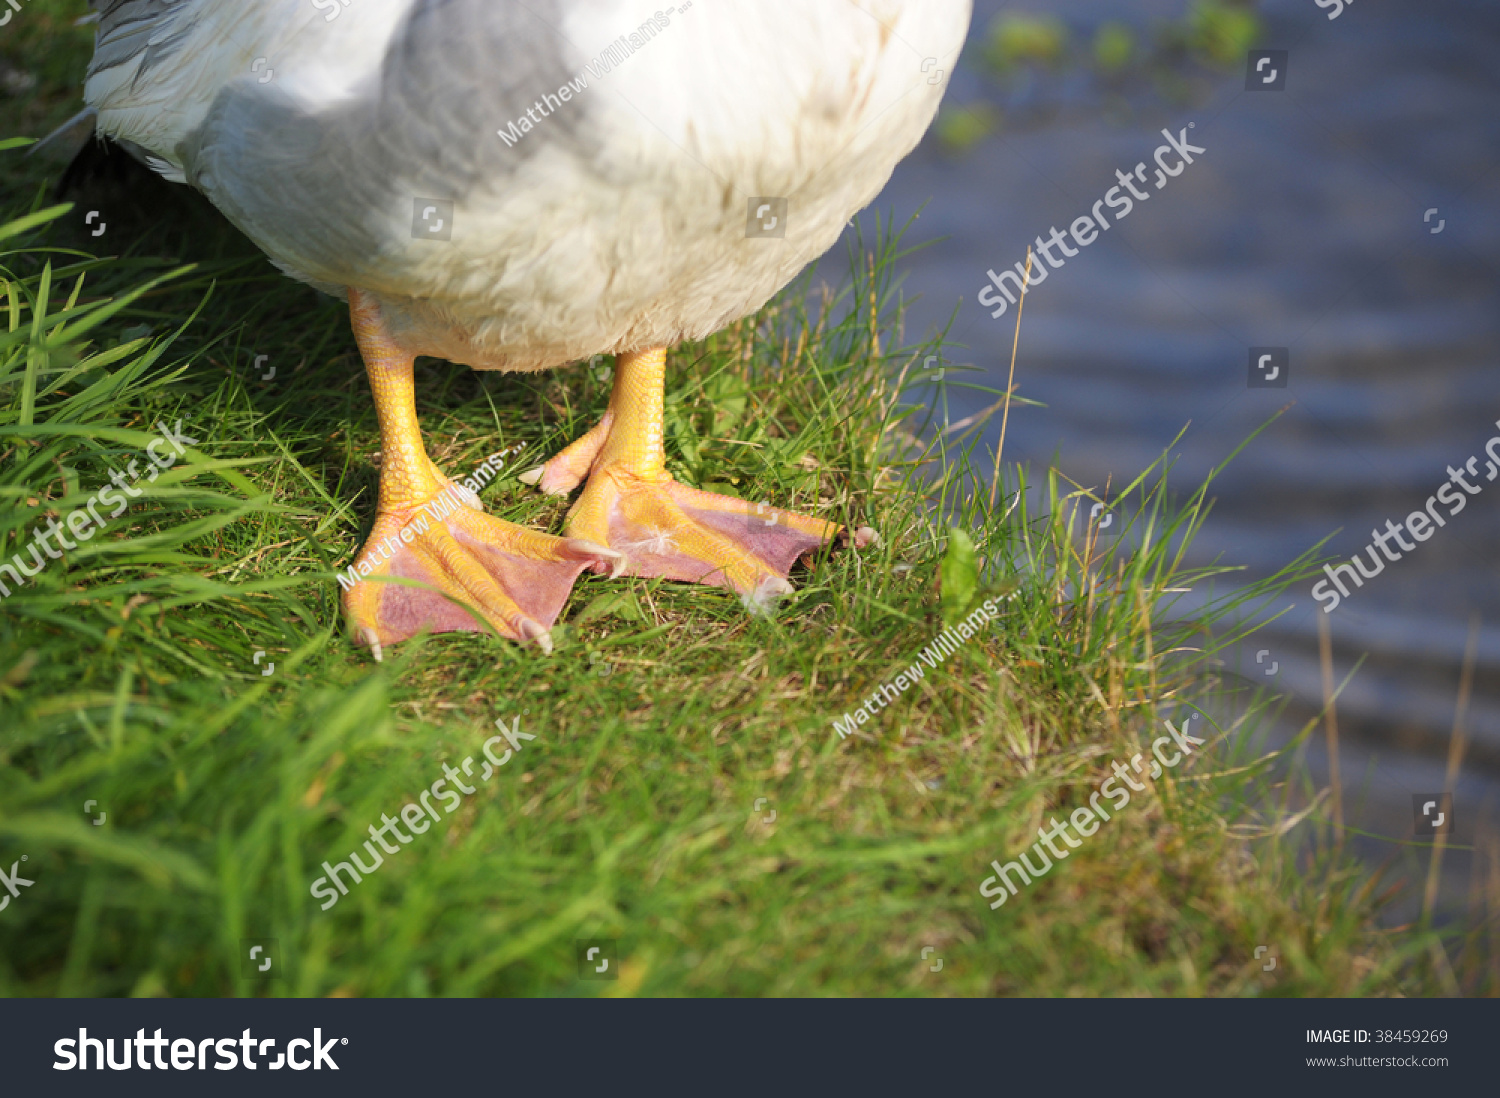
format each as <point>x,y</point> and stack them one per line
<point>517,185</point>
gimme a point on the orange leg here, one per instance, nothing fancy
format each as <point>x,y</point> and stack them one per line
<point>456,568</point>
<point>663,528</point>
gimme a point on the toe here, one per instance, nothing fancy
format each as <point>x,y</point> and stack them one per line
<point>762,600</point>
<point>602,560</point>
<point>566,470</point>
<point>537,633</point>
<point>679,533</point>
<point>463,572</point>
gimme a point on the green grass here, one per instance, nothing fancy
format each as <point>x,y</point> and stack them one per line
<point>127,677</point>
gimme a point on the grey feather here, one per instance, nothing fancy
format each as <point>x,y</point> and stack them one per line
<point>152,30</point>
<point>318,189</point>
<point>67,139</point>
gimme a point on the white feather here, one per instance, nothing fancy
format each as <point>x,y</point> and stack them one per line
<point>641,240</point>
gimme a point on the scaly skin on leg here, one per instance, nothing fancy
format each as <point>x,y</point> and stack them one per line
<point>632,504</point>
<point>429,530</point>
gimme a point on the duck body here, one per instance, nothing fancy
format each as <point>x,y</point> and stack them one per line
<point>592,162</point>
<point>517,185</point>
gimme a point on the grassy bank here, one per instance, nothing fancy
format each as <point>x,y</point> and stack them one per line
<point>669,726</point>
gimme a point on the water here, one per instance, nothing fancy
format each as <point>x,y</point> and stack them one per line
<point>1302,226</point>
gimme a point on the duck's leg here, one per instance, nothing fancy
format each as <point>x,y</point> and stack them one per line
<point>632,504</point>
<point>429,531</point>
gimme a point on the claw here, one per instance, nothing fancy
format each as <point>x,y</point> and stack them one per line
<point>598,555</point>
<point>763,599</point>
<point>538,634</point>
<point>372,640</point>
<point>469,496</point>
